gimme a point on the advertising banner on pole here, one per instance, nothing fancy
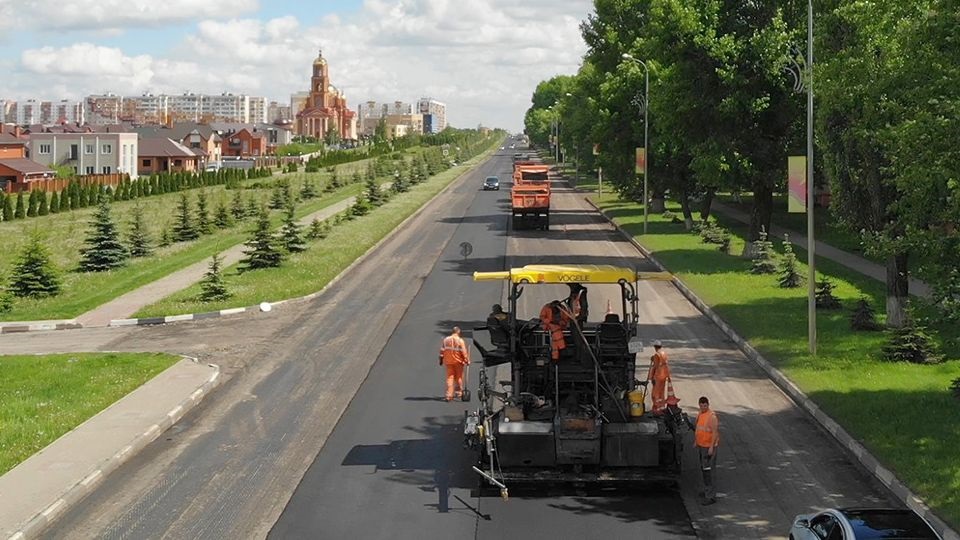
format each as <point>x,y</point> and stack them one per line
<point>641,160</point>
<point>797,184</point>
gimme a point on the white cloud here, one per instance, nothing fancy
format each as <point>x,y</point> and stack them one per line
<point>483,58</point>
<point>117,14</point>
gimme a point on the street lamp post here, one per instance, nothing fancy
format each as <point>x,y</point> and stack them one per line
<point>646,150</point>
<point>811,261</point>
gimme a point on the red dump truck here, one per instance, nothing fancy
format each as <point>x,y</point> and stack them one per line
<point>530,196</point>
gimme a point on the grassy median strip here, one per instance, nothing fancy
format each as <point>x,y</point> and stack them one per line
<point>43,397</point>
<point>310,271</point>
<point>903,413</point>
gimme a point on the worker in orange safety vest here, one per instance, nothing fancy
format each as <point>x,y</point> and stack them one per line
<point>660,375</point>
<point>554,320</point>
<point>707,438</point>
<point>454,356</point>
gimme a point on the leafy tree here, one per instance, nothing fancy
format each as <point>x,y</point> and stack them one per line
<point>203,215</point>
<point>6,301</point>
<point>212,286</point>
<point>138,238</point>
<point>34,275</point>
<point>763,261</point>
<point>184,230</point>
<point>104,249</point>
<point>262,253</point>
<point>20,212</point>
<point>790,278</point>
<point>291,233</point>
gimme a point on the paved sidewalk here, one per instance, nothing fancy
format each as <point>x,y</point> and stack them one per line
<point>123,307</point>
<point>34,492</point>
<point>851,261</point>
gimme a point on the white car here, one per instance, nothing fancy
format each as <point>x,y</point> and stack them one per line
<point>860,523</point>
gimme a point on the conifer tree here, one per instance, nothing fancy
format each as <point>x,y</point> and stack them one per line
<point>139,237</point>
<point>911,343</point>
<point>203,215</point>
<point>212,286</point>
<point>104,249</point>
<point>253,208</point>
<point>763,262</point>
<point>165,237</point>
<point>373,193</point>
<point>318,229</point>
<point>790,278</point>
<point>262,253</point>
<point>308,190</point>
<point>43,207</point>
<point>32,203</point>
<point>21,211</point>
<point>277,199</point>
<point>7,208</point>
<point>236,207</point>
<point>361,206</point>
<point>291,233</point>
<point>824,295</point>
<point>222,218</point>
<point>54,203</point>
<point>864,317</point>
<point>3,202</point>
<point>184,229</point>
<point>34,275</point>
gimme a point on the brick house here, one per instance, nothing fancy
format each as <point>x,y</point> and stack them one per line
<point>192,135</point>
<point>245,143</point>
<point>17,173</point>
<point>166,155</point>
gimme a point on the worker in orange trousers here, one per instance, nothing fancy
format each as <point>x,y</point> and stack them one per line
<point>660,375</point>
<point>454,356</point>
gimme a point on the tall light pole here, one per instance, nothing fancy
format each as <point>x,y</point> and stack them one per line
<point>646,150</point>
<point>811,261</point>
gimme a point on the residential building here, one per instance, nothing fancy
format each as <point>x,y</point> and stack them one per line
<point>277,113</point>
<point>326,108</point>
<point>145,109</point>
<point>103,109</point>
<point>69,112</point>
<point>199,138</point>
<point>434,115</point>
<point>161,154</point>
<point>413,123</point>
<point>258,110</point>
<point>87,153</point>
<point>244,144</point>
<point>17,172</point>
<point>275,135</point>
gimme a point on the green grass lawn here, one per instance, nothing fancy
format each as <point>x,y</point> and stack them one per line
<point>43,397</point>
<point>311,270</point>
<point>64,235</point>
<point>903,413</point>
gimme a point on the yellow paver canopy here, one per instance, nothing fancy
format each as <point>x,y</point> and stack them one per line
<point>563,273</point>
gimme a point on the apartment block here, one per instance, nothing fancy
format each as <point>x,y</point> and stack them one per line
<point>434,115</point>
<point>87,153</point>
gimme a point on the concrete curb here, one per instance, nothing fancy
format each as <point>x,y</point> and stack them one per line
<point>311,296</point>
<point>39,326</point>
<point>75,493</point>
<point>862,455</point>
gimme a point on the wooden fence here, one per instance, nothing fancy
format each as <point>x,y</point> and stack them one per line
<point>59,184</point>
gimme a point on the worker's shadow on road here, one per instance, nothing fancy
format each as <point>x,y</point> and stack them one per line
<point>434,463</point>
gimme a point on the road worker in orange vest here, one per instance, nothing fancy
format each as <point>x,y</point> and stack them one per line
<point>660,375</point>
<point>454,356</point>
<point>707,437</point>
<point>554,320</point>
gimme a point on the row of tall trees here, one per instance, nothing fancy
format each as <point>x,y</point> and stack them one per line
<point>724,113</point>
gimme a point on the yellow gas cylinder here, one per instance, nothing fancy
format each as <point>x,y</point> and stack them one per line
<point>636,398</point>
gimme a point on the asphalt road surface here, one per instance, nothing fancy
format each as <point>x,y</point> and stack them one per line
<point>329,423</point>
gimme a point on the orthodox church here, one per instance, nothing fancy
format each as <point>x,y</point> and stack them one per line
<point>325,107</point>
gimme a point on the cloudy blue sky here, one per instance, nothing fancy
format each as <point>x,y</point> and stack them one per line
<point>482,57</point>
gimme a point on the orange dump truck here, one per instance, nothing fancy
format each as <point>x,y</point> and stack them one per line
<point>530,196</point>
